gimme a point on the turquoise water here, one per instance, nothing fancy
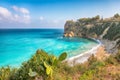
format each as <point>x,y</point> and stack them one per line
<point>18,45</point>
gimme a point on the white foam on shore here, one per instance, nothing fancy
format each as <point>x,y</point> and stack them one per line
<point>82,57</point>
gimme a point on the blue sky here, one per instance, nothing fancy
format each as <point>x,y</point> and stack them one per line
<point>52,13</point>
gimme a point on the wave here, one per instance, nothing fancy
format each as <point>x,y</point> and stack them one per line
<point>84,56</point>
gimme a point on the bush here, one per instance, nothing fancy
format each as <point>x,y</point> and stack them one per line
<point>92,59</point>
<point>111,60</point>
<point>97,64</point>
<point>117,56</point>
<point>88,75</point>
<point>48,67</point>
<point>40,65</point>
<point>6,72</point>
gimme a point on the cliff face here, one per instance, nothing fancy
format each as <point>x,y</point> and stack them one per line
<point>106,30</point>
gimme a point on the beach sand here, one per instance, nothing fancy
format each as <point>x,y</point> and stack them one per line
<point>98,51</point>
<point>101,54</point>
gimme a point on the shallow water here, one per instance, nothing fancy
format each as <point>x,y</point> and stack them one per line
<point>18,45</point>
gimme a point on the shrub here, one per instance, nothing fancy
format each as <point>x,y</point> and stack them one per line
<point>88,75</point>
<point>41,64</point>
<point>97,64</point>
<point>6,72</point>
<point>117,56</point>
<point>111,60</point>
<point>48,67</point>
<point>92,59</point>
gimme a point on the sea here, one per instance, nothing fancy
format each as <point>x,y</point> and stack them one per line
<point>18,45</point>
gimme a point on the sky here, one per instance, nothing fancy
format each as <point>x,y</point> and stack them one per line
<point>52,13</point>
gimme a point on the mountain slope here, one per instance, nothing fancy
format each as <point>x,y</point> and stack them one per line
<point>107,30</point>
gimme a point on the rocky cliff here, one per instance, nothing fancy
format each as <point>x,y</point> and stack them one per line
<point>107,30</point>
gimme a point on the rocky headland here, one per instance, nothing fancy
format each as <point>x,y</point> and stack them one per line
<point>106,30</point>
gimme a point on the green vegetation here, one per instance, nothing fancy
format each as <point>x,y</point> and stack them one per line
<point>113,32</point>
<point>116,15</point>
<point>99,29</point>
<point>89,20</point>
<point>42,66</point>
<point>96,27</point>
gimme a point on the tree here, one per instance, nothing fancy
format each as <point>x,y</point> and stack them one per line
<point>116,15</point>
<point>96,17</point>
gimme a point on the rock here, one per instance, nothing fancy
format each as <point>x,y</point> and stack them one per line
<point>107,29</point>
<point>70,34</point>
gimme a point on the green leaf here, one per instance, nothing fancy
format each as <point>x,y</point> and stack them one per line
<point>53,60</point>
<point>48,70</point>
<point>42,68</point>
<point>31,73</point>
<point>55,63</point>
<point>45,65</point>
<point>63,56</point>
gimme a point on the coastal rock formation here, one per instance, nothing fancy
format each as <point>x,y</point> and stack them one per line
<point>107,30</point>
<point>69,34</point>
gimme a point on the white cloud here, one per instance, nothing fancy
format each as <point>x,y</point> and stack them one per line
<point>5,14</point>
<point>56,21</point>
<point>21,10</point>
<point>48,23</point>
<point>20,16</point>
<point>41,18</point>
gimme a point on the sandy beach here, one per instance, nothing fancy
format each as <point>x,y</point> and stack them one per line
<point>101,53</point>
<point>98,51</point>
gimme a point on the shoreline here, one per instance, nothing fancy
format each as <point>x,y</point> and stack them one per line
<point>110,46</point>
<point>83,57</point>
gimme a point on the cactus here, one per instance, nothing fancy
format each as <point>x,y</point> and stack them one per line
<point>49,70</point>
<point>53,63</point>
<point>31,73</point>
<point>63,56</point>
<point>41,64</point>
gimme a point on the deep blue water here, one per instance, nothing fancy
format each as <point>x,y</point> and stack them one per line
<point>18,45</point>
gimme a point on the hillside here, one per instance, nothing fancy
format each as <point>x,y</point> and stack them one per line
<point>43,66</point>
<point>107,30</point>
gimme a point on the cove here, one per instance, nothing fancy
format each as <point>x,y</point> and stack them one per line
<point>18,45</point>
